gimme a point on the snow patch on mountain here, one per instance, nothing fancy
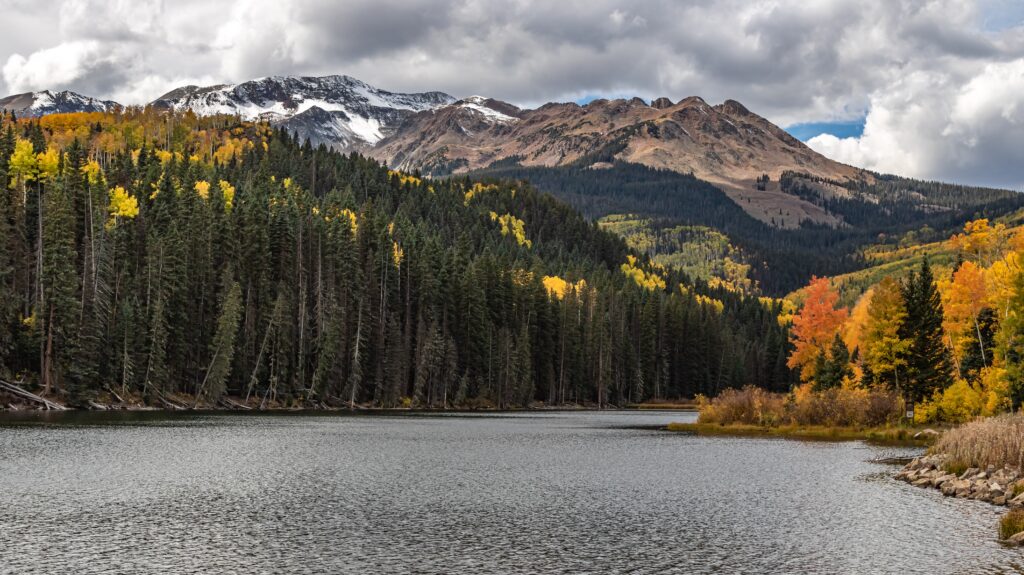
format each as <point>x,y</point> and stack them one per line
<point>35,104</point>
<point>479,104</point>
<point>351,109</point>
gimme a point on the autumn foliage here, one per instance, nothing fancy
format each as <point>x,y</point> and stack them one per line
<point>815,326</point>
<point>951,340</point>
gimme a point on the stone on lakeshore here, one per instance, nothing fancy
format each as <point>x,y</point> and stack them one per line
<point>1015,540</point>
<point>923,482</point>
<point>1000,500</point>
<point>1017,501</point>
<point>969,473</point>
<point>949,488</point>
<point>1005,475</point>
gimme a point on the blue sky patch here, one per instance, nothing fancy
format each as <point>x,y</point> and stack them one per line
<point>806,131</point>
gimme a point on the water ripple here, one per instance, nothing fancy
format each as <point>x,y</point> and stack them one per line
<point>531,493</point>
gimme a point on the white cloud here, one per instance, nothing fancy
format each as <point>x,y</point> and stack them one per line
<point>61,65</point>
<point>260,38</point>
<point>128,50</point>
<point>963,127</point>
<point>935,78</point>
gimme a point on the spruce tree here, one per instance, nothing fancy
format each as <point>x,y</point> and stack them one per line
<point>222,348</point>
<point>835,366</point>
<point>59,307</point>
<point>927,360</point>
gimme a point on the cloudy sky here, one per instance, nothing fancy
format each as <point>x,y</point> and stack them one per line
<point>930,88</point>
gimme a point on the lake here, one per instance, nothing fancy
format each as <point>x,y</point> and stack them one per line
<point>536,492</point>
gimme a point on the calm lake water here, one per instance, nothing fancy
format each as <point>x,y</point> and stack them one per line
<point>504,494</point>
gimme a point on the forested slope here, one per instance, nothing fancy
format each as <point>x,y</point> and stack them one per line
<point>781,260</point>
<point>168,256</point>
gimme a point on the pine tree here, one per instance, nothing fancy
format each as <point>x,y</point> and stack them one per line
<point>928,366</point>
<point>835,366</point>
<point>155,380</point>
<point>58,306</point>
<point>222,348</point>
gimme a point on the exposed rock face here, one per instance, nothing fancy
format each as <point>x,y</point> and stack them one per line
<point>725,144</point>
<point>340,111</point>
<point>661,103</point>
<point>35,104</point>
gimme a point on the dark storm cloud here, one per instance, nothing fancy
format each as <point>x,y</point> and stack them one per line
<point>355,30</point>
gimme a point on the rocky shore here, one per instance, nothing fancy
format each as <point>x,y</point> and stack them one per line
<point>998,486</point>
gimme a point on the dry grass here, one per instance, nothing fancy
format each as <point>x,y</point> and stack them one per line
<point>997,441</point>
<point>1011,524</point>
<point>956,467</point>
<point>1017,487</point>
<point>881,435</point>
<point>833,408</point>
<point>669,404</point>
<point>750,405</point>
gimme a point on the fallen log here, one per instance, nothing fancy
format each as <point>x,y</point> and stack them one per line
<point>166,402</point>
<point>24,394</point>
<point>170,404</point>
<point>232,404</point>
<point>114,393</point>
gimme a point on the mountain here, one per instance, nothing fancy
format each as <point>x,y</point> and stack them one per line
<point>787,211</point>
<point>35,104</point>
<point>725,144</point>
<point>339,111</point>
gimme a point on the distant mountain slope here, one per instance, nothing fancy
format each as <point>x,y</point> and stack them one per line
<point>901,258</point>
<point>725,144</point>
<point>781,260</point>
<point>339,111</point>
<point>35,104</point>
<point>740,152</point>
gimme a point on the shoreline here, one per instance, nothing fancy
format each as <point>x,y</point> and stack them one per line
<point>909,436</point>
<point>180,403</point>
<point>1002,487</point>
<point>999,486</point>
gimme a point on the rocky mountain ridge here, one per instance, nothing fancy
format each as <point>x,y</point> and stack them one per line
<point>35,104</point>
<point>725,144</point>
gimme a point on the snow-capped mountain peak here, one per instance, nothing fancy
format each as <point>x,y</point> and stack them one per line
<point>35,104</point>
<point>340,111</point>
